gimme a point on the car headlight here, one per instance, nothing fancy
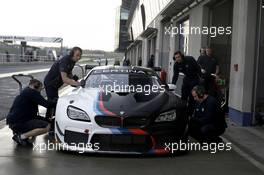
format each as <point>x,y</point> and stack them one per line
<point>166,116</point>
<point>77,114</point>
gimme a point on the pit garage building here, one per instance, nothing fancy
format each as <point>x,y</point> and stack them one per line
<point>152,27</point>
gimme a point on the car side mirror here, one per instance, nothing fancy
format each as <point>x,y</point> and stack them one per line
<point>172,87</point>
<point>157,69</point>
<point>88,67</point>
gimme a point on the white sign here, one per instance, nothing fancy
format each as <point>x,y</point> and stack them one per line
<point>31,39</point>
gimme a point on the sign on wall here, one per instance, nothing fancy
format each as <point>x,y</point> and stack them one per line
<point>30,39</point>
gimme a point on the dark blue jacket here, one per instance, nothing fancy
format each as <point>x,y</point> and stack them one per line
<point>189,67</point>
<point>53,78</point>
<point>209,113</point>
<point>25,106</point>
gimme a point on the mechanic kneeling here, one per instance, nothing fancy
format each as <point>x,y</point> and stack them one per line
<point>23,116</point>
<point>208,120</point>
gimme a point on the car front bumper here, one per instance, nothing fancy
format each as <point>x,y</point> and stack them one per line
<point>86,137</point>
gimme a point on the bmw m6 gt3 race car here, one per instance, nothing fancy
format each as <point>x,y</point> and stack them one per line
<point>135,119</point>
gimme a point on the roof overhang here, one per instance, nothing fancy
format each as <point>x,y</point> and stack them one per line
<point>177,6</point>
<point>148,32</point>
<point>137,41</point>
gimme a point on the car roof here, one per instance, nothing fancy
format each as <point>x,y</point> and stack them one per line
<point>138,68</point>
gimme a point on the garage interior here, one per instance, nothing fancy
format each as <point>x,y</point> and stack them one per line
<point>259,84</point>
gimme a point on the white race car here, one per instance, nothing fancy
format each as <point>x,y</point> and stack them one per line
<point>97,118</point>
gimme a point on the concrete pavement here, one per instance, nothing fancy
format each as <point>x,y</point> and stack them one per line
<point>249,141</point>
<point>18,160</point>
<point>9,68</point>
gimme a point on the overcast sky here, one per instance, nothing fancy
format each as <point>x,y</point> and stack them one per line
<point>89,24</point>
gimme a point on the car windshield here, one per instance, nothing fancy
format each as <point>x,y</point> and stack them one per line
<point>121,80</point>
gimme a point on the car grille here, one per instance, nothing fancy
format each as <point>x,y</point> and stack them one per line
<point>122,142</point>
<point>118,122</point>
<point>75,138</point>
<point>108,121</point>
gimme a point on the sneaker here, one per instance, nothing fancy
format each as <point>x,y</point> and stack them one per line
<point>31,139</point>
<point>29,143</point>
<point>18,140</point>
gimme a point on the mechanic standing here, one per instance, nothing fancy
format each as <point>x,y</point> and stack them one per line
<point>60,73</point>
<point>190,68</point>
<point>202,51</point>
<point>208,121</point>
<point>23,116</point>
<point>151,61</point>
<point>208,62</point>
<point>210,71</point>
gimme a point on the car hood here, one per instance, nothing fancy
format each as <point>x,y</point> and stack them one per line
<point>130,104</point>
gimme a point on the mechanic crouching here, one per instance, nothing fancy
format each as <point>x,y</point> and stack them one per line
<point>208,120</point>
<point>23,116</point>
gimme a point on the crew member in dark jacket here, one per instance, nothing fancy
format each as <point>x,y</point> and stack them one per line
<point>208,121</point>
<point>189,67</point>
<point>210,70</point>
<point>151,61</point>
<point>60,73</point>
<point>23,116</point>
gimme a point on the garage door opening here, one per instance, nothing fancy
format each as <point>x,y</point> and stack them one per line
<point>221,44</point>
<point>259,93</point>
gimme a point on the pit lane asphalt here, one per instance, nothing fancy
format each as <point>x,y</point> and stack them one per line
<point>7,68</point>
<point>9,88</point>
<point>16,160</point>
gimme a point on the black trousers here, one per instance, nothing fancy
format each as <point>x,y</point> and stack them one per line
<point>186,91</point>
<point>52,93</point>
<point>207,133</point>
<point>35,123</point>
<point>210,85</point>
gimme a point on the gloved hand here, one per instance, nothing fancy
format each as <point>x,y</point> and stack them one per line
<point>75,77</point>
<point>82,83</point>
<point>55,100</point>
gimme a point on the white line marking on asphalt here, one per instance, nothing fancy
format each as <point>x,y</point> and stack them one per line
<point>255,132</point>
<point>245,155</point>
<point>5,75</point>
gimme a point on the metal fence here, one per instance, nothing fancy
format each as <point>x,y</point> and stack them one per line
<point>14,58</point>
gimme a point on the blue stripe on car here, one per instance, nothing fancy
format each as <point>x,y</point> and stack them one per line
<point>96,105</point>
